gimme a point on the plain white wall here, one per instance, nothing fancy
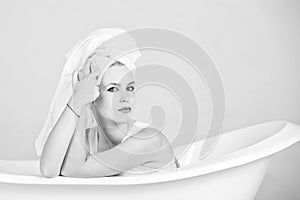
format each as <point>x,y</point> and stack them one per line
<point>254,44</point>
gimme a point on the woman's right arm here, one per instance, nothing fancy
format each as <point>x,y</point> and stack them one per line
<point>57,143</point>
<point>60,137</point>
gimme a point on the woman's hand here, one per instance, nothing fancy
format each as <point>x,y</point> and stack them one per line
<point>85,88</point>
<point>88,76</point>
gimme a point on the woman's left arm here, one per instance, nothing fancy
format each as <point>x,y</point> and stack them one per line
<point>141,148</point>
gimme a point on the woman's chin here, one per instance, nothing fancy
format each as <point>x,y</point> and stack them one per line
<point>123,118</point>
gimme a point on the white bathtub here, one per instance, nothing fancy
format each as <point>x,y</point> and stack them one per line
<point>233,171</point>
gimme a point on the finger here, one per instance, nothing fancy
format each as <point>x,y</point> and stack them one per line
<point>86,69</point>
<point>90,56</point>
<point>97,62</point>
<point>103,50</point>
<point>98,53</point>
<point>90,67</point>
<point>80,75</point>
<point>94,74</point>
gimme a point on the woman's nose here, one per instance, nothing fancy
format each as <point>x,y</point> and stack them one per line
<point>125,97</point>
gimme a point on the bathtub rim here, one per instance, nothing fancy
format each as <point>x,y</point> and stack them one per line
<point>280,140</point>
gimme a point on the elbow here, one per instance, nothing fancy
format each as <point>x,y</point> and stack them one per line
<point>69,173</point>
<point>47,171</point>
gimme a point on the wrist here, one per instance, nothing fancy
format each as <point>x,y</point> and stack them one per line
<point>77,107</point>
<point>72,110</point>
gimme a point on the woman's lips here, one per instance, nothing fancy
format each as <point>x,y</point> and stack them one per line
<point>125,110</point>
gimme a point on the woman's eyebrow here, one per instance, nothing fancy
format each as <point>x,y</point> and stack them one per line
<point>131,82</point>
<point>112,84</point>
<point>118,84</point>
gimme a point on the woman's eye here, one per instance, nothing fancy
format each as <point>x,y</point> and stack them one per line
<point>112,89</point>
<point>131,88</point>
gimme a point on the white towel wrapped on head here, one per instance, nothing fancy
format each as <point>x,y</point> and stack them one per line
<point>114,41</point>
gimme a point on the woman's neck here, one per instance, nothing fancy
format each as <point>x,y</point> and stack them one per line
<point>115,132</point>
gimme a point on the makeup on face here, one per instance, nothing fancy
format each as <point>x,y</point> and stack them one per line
<point>116,100</point>
<point>115,87</point>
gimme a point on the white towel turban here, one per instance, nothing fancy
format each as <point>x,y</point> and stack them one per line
<point>117,42</point>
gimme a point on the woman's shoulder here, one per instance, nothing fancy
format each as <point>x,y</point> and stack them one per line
<point>150,141</point>
<point>152,134</point>
<point>160,146</point>
<point>143,134</point>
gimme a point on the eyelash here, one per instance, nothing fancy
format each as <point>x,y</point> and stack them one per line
<point>116,87</point>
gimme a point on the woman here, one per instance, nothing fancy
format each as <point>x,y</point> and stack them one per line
<point>120,145</point>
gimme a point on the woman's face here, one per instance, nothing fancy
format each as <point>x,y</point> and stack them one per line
<point>116,101</point>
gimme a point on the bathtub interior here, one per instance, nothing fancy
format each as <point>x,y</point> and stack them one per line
<point>187,155</point>
<point>245,137</point>
<point>229,142</point>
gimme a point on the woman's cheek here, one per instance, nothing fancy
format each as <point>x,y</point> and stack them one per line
<point>108,102</point>
<point>132,100</point>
